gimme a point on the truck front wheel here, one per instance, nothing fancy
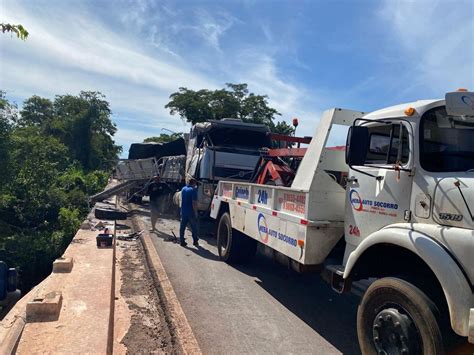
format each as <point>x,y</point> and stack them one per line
<point>232,245</point>
<point>396,317</point>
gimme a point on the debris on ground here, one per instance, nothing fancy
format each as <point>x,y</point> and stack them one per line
<point>131,236</point>
<point>149,331</point>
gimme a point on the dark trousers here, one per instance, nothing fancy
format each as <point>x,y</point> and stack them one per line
<point>184,222</point>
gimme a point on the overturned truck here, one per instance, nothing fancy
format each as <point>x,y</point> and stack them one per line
<point>227,149</point>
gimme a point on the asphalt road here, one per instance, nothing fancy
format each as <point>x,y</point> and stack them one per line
<point>259,308</point>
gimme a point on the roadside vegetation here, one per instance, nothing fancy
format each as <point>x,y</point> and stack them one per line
<point>233,101</point>
<point>53,155</point>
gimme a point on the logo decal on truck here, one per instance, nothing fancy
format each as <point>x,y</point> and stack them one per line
<point>262,228</point>
<point>372,206</point>
<point>242,192</point>
<point>468,101</point>
<point>355,199</point>
<point>266,232</point>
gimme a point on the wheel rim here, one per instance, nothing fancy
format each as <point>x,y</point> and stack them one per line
<point>395,332</point>
<point>224,239</point>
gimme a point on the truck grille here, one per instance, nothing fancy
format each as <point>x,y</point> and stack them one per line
<point>238,174</point>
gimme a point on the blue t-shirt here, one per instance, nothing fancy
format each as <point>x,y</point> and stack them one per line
<point>188,195</point>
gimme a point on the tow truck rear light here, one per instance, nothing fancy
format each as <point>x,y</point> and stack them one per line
<point>304,221</point>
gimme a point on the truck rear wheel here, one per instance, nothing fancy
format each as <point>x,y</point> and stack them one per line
<point>232,245</point>
<point>396,317</point>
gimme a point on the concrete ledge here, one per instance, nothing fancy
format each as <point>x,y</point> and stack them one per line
<point>70,311</point>
<point>44,308</point>
<point>63,264</point>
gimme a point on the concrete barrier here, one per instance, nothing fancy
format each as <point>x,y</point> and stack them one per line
<point>72,310</point>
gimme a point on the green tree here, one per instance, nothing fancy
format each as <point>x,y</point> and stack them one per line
<point>36,111</point>
<point>8,111</point>
<point>49,176</point>
<point>83,123</point>
<point>234,101</point>
<point>283,128</point>
<point>8,115</point>
<point>163,138</point>
<point>19,30</point>
<point>35,163</point>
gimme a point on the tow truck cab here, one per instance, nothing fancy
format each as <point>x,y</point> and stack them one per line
<point>410,200</point>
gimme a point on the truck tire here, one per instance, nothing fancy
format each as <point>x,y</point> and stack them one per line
<point>396,317</point>
<point>233,246</point>
<point>110,214</point>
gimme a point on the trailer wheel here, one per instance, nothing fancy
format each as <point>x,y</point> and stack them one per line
<point>233,246</point>
<point>396,317</point>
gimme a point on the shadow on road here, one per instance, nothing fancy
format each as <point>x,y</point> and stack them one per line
<point>202,252</point>
<point>331,315</point>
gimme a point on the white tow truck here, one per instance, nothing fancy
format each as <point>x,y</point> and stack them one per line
<point>404,220</point>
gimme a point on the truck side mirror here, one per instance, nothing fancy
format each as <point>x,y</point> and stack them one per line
<point>357,145</point>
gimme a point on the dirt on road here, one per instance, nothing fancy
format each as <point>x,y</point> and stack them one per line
<point>141,312</point>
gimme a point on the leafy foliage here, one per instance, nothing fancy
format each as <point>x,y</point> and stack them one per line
<point>53,155</point>
<point>283,128</point>
<point>233,101</point>
<point>36,111</point>
<point>19,30</point>
<point>163,138</point>
<point>7,114</point>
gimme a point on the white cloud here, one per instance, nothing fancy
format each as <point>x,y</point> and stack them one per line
<point>69,52</point>
<point>72,51</point>
<point>435,39</point>
<point>143,50</point>
<point>212,28</point>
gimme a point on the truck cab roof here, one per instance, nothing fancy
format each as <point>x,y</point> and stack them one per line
<point>420,106</point>
<point>227,123</point>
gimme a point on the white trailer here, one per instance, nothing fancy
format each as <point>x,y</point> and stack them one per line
<point>405,219</point>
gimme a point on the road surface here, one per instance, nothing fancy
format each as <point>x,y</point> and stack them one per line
<point>259,308</point>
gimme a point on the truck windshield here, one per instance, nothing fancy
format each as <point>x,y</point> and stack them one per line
<point>447,142</point>
<point>231,137</point>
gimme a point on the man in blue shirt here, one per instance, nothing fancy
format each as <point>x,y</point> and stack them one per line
<point>188,212</point>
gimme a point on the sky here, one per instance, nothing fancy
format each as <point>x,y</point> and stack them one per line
<point>307,56</point>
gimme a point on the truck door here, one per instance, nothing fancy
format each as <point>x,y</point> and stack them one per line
<point>378,192</point>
